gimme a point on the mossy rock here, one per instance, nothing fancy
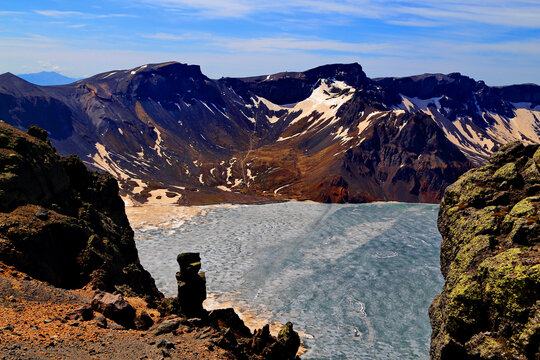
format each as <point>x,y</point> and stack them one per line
<point>532,173</point>
<point>509,285</point>
<point>467,254</point>
<point>463,306</point>
<point>524,231</point>
<point>528,336</point>
<point>526,207</point>
<point>536,157</point>
<point>484,346</point>
<point>507,172</point>
<point>490,259</point>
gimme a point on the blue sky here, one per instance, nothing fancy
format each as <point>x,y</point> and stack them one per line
<point>493,40</point>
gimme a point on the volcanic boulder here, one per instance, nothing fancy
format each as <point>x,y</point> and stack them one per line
<point>229,319</point>
<point>114,307</point>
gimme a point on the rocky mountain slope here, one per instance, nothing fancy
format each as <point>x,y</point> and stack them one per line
<point>169,133</point>
<point>490,258</point>
<point>61,223</point>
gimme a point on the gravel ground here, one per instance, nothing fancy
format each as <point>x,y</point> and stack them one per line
<point>32,326</point>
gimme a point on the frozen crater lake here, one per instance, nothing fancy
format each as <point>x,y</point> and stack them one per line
<point>356,280</point>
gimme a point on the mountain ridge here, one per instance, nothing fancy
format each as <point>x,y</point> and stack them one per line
<point>47,78</point>
<point>327,134</point>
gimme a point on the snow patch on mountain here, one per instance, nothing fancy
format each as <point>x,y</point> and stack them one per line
<point>326,99</point>
<point>322,105</point>
<point>109,74</point>
<point>159,197</point>
<point>475,142</point>
<point>416,104</point>
<point>272,107</point>
<point>157,144</point>
<point>102,160</point>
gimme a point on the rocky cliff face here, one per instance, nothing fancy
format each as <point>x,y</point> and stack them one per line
<point>170,134</point>
<point>61,223</point>
<point>490,258</point>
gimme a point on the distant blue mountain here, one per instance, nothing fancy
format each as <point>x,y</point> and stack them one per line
<point>47,78</point>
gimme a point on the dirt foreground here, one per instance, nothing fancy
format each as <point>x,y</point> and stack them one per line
<point>33,326</point>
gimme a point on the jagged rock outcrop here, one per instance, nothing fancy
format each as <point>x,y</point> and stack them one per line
<point>284,346</point>
<point>490,258</point>
<point>61,223</point>
<point>229,319</point>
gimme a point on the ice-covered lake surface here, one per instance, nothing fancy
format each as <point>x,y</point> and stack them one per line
<point>358,279</point>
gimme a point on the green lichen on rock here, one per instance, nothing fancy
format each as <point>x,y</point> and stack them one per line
<point>507,172</point>
<point>289,340</point>
<point>490,259</point>
<point>526,207</point>
<point>485,346</point>
<point>465,298</point>
<point>511,286</point>
<point>532,173</point>
<point>536,157</point>
<point>466,254</point>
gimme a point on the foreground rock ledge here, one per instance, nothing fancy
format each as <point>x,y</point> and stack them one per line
<point>490,259</point>
<point>63,224</point>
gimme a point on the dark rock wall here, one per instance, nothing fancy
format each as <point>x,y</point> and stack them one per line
<point>61,223</point>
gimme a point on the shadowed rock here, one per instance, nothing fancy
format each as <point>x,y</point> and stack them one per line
<point>191,285</point>
<point>61,223</point>
<point>234,334</point>
<point>228,318</point>
<point>114,307</point>
<point>84,313</point>
<point>289,340</point>
<point>166,326</point>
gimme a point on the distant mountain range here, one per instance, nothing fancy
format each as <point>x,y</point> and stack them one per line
<point>46,78</point>
<point>170,134</point>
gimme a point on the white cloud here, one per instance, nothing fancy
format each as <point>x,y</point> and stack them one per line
<point>277,44</point>
<point>519,48</point>
<point>210,8</point>
<point>280,44</point>
<point>64,14</point>
<point>177,37</point>
<point>57,13</point>
<point>105,16</point>
<point>416,23</point>
<point>517,13</point>
<point>11,13</point>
